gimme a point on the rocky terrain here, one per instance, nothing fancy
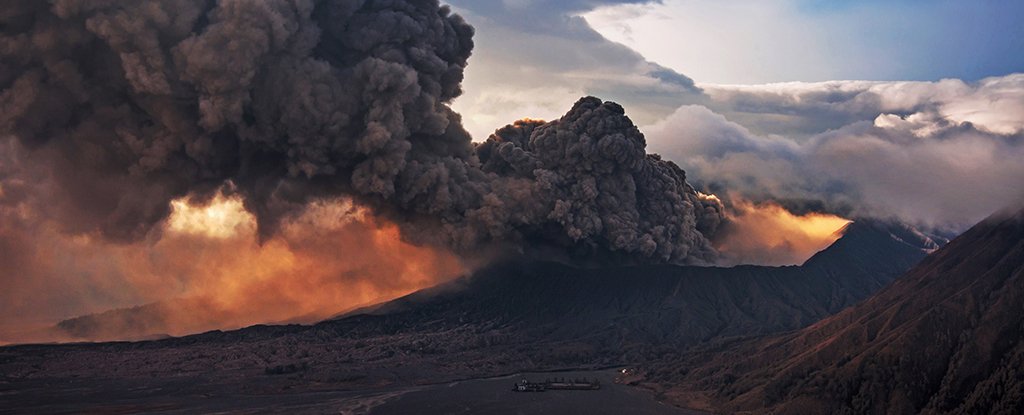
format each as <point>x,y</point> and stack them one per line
<point>510,317</point>
<point>945,338</point>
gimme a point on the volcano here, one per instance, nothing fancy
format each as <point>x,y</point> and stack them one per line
<point>665,304</point>
<point>510,317</point>
<point>947,337</point>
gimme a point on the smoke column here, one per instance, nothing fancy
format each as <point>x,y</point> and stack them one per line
<point>124,106</point>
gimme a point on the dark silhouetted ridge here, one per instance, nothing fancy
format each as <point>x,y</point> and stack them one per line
<point>944,338</point>
<point>664,304</point>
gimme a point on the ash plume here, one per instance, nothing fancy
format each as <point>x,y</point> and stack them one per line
<point>590,174</point>
<point>128,105</point>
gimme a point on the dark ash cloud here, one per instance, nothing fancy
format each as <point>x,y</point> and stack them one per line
<point>591,171</point>
<point>126,106</point>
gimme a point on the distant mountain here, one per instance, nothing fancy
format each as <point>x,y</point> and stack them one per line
<point>947,337</point>
<point>655,306</point>
<point>159,320</point>
<point>134,323</point>
<point>871,249</point>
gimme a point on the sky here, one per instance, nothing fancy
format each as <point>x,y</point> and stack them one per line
<point>749,41</point>
<point>790,118</point>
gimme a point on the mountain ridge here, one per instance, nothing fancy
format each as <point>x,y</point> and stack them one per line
<point>944,338</point>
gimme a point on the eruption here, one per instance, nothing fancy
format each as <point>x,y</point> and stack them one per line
<point>768,234</point>
<point>208,271</point>
<point>127,106</point>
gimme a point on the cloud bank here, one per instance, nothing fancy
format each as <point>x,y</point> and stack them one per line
<point>943,154</point>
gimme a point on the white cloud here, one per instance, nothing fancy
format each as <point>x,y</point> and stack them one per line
<point>487,110</point>
<point>528,61</point>
<point>945,153</point>
<point>798,109</point>
<point>731,41</point>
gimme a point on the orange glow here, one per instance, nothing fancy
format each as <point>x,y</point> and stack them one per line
<point>222,217</point>
<point>209,271</point>
<point>528,120</point>
<point>333,258</point>
<point>768,234</point>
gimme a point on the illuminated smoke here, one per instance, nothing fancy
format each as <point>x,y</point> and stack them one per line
<point>209,271</point>
<point>767,234</point>
<point>131,105</point>
<point>219,218</point>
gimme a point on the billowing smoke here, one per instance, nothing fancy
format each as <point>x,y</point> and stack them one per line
<point>126,106</point>
<point>207,270</point>
<point>589,173</point>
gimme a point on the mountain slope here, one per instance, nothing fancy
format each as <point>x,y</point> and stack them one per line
<point>664,305</point>
<point>944,338</point>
